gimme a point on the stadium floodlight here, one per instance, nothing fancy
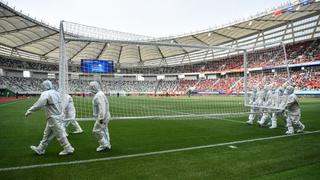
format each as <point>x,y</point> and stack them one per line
<point>140,94</point>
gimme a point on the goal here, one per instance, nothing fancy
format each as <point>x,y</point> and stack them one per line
<point>201,82</point>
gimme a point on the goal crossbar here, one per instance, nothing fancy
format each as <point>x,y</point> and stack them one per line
<point>170,116</point>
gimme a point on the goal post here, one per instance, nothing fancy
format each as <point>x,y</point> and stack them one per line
<point>63,66</point>
<point>221,93</point>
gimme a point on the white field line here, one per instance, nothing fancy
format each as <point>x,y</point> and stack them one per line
<point>150,153</point>
<point>8,103</point>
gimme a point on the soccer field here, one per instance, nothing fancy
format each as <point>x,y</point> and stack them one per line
<point>206,148</point>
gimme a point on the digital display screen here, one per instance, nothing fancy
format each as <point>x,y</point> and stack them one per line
<point>96,66</point>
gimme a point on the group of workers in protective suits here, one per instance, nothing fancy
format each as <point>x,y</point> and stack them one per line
<point>60,112</point>
<point>267,104</point>
<point>270,103</point>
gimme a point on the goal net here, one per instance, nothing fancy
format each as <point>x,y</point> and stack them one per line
<point>187,81</point>
<point>267,77</point>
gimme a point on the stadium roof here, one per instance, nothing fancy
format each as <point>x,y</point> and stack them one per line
<point>23,36</point>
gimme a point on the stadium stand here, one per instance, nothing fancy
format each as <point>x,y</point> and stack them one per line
<point>308,79</point>
<point>298,53</point>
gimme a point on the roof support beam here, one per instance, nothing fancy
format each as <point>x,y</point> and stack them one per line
<point>285,32</point>
<point>193,36</point>
<point>180,47</point>
<point>308,11</point>
<point>17,30</point>
<point>292,32</point>
<point>102,50</point>
<point>36,40</point>
<point>79,51</point>
<point>205,56</point>
<point>252,29</point>
<point>120,52</point>
<point>162,61</point>
<point>273,27</point>
<point>182,59</point>
<point>53,49</point>
<point>271,20</point>
<point>20,50</point>
<point>139,53</point>
<point>224,35</point>
<point>263,40</point>
<point>257,39</point>
<point>9,16</point>
<point>316,27</point>
<point>160,52</point>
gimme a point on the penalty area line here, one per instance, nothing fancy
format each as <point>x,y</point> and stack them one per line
<point>151,153</point>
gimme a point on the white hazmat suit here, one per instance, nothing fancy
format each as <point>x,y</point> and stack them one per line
<point>70,115</point>
<point>278,102</point>
<point>266,102</point>
<point>293,112</point>
<point>254,103</point>
<point>50,100</point>
<point>101,113</point>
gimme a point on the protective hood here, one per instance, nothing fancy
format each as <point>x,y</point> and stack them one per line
<point>94,87</point>
<point>290,90</point>
<point>280,91</point>
<point>47,85</point>
<point>254,89</point>
<point>267,88</point>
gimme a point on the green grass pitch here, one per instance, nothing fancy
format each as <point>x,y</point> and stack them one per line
<point>293,157</point>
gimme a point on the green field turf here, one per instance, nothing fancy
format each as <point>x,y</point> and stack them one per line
<point>289,157</point>
<point>138,106</point>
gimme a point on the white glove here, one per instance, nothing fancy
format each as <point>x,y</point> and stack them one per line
<point>27,113</point>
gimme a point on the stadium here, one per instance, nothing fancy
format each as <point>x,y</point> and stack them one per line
<point>178,105</point>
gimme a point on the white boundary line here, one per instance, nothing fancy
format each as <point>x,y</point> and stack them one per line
<point>150,153</point>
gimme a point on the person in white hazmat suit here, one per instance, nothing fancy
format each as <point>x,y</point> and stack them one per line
<point>293,111</point>
<point>50,100</point>
<point>70,115</point>
<point>266,102</point>
<point>253,102</point>
<point>101,113</point>
<point>278,102</point>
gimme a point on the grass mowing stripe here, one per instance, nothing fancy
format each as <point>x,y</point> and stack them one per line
<point>150,153</point>
<point>216,118</point>
<point>6,104</point>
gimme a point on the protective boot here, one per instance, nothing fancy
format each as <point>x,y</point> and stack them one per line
<point>250,122</point>
<point>66,151</point>
<point>273,123</point>
<point>301,127</point>
<point>37,150</point>
<point>77,127</point>
<point>290,131</point>
<point>67,148</point>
